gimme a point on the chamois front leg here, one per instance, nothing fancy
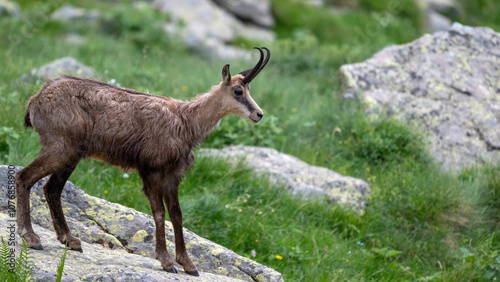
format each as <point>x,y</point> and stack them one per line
<point>171,198</point>
<point>152,188</point>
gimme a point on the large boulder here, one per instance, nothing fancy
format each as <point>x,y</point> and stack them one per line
<point>446,83</point>
<point>257,12</point>
<point>8,8</point>
<point>70,13</point>
<point>208,29</point>
<point>436,21</point>
<point>309,181</point>
<point>118,242</point>
<point>446,7</point>
<point>65,65</point>
<point>436,13</point>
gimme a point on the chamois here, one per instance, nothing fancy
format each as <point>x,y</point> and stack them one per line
<point>84,118</point>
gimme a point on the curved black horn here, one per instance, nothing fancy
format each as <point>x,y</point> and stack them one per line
<point>265,60</point>
<point>249,74</point>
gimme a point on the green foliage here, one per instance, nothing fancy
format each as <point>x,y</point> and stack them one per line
<point>240,211</point>
<point>385,252</point>
<point>490,196</point>
<point>383,21</point>
<point>23,264</point>
<point>60,265</point>
<point>492,271</point>
<point>7,135</point>
<point>480,13</point>
<point>230,131</point>
<point>405,9</point>
<point>141,25</point>
<point>383,141</point>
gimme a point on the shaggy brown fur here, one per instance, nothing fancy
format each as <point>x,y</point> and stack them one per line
<point>84,118</point>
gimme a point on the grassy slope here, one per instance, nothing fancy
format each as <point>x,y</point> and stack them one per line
<point>420,223</point>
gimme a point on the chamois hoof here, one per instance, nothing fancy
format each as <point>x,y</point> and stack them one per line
<point>32,240</point>
<point>72,243</point>
<point>79,249</point>
<point>194,272</point>
<point>37,247</point>
<point>170,269</point>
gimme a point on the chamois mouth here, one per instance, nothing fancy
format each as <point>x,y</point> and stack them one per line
<point>254,120</point>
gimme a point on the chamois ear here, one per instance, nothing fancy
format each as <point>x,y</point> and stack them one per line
<point>226,76</point>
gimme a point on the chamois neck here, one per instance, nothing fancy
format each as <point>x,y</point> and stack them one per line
<point>205,112</point>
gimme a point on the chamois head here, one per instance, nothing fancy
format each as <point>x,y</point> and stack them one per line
<point>237,90</point>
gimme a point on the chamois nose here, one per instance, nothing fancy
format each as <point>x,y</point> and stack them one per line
<point>260,115</point>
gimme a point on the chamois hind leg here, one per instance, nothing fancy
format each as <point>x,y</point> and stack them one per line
<point>152,188</point>
<point>170,195</point>
<point>47,162</point>
<point>53,190</point>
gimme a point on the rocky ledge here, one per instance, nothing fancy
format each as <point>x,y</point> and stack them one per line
<point>118,243</point>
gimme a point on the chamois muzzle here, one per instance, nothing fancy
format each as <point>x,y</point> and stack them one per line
<point>250,74</point>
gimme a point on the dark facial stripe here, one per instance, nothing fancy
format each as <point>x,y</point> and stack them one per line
<point>245,102</point>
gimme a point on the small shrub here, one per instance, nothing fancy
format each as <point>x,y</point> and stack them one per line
<point>141,25</point>
<point>6,135</point>
<point>384,141</point>
<point>375,21</point>
<point>235,131</point>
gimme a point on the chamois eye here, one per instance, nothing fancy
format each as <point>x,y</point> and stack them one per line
<point>238,92</point>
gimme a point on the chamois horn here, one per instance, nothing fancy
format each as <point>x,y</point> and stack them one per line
<point>250,74</point>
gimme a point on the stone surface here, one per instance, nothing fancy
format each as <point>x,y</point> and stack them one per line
<point>71,13</point>
<point>436,22</point>
<point>257,12</point>
<point>447,7</point>
<point>298,176</point>
<point>207,29</point>
<point>118,243</point>
<point>66,65</point>
<point>436,13</point>
<point>9,8</point>
<point>447,83</point>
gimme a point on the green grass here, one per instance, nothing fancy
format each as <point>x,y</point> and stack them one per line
<point>420,223</point>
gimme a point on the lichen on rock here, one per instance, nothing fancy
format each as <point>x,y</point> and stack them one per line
<point>301,178</point>
<point>118,243</point>
<point>446,83</point>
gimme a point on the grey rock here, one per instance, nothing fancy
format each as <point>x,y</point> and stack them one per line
<point>446,83</point>
<point>207,47</point>
<point>201,16</point>
<point>66,65</point>
<point>437,22</point>
<point>118,242</point>
<point>208,29</point>
<point>9,8</point>
<point>257,12</point>
<point>448,7</point>
<point>436,13</point>
<point>69,12</point>
<point>298,176</point>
